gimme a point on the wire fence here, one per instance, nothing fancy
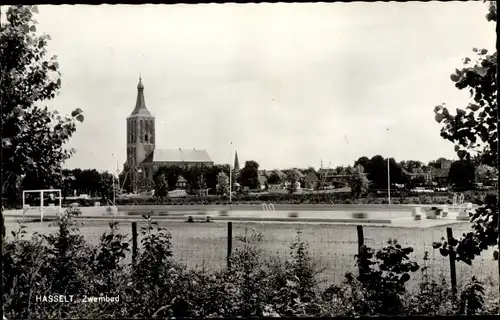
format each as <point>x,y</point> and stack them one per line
<point>332,247</point>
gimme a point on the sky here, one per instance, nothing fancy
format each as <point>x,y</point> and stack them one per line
<point>290,85</point>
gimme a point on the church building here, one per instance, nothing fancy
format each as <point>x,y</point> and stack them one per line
<point>142,156</point>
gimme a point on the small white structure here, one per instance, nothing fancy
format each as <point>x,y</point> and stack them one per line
<point>445,211</point>
<point>43,208</point>
<point>416,211</point>
<point>97,204</point>
<point>431,214</point>
<point>463,213</point>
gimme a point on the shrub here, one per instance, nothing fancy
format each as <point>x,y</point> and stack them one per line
<point>432,297</point>
<point>156,285</point>
<point>380,287</point>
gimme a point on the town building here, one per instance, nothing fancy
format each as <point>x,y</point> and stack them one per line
<point>441,173</point>
<point>331,178</point>
<point>486,175</point>
<point>311,181</point>
<point>143,158</point>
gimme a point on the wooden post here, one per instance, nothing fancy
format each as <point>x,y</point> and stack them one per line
<point>134,242</point>
<point>361,243</point>
<point>452,255</point>
<point>229,242</point>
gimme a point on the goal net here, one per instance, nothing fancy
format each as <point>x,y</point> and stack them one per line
<point>44,202</point>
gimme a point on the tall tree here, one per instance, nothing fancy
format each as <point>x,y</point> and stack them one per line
<point>249,175</point>
<point>202,185</point>
<point>292,178</point>
<point>377,172</point>
<point>171,173</point>
<point>222,183</point>
<point>192,174</point>
<point>33,136</point>
<point>475,132</point>
<point>363,161</point>
<point>412,166</point>
<point>161,186</point>
<point>274,178</point>
<point>358,182</point>
<point>211,180</point>
<point>462,174</point>
<point>107,186</point>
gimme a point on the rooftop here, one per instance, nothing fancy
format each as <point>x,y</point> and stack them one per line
<point>179,155</point>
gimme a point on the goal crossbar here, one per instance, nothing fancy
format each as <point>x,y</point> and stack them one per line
<point>42,192</point>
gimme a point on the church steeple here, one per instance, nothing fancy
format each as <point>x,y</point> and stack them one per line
<point>140,104</point>
<point>236,162</point>
<point>140,133</point>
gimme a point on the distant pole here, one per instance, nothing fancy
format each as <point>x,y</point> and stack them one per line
<point>388,180</point>
<point>230,177</point>
<point>118,173</point>
<point>114,192</point>
<point>388,183</point>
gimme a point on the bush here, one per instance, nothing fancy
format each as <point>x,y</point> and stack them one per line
<point>155,284</point>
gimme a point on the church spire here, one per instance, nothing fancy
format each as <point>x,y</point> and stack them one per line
<point>236,162</point>
<point>140,104</point>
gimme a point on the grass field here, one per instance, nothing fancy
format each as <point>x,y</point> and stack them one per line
<point>332,246</point>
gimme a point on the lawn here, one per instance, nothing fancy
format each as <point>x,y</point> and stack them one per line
<point>332,246</point>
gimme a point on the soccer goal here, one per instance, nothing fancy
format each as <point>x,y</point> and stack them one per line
<point>44,201</point>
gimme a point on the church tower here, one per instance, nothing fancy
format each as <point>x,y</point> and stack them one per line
<point>140,133</point>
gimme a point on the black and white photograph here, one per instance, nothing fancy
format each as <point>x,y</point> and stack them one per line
<point>235,160</point>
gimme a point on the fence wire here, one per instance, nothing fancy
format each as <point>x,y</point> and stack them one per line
<point>332,247</point>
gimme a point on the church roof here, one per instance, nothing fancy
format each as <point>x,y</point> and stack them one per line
<point>236,161</point>
<point>140,109</point>
<point>179,155</point>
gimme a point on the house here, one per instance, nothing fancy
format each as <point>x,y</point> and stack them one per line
<point>181,183</point>
<point>414,175</point>
<point>286,185</point>
<point>440,174</point>
<point>299,174</point>
<point>280,174</point>
<point>262,181</point>
<point>331,178</point>
<point>263,173</point>
<point>486,175</point>
<point>311,181</point>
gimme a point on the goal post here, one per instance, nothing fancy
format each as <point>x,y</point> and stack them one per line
<point>41,203</point>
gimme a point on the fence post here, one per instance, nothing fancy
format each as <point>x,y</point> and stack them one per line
<point>452,255</point>
<point>361,243</point>
<point>229,242</point>
<point>134,242</point>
